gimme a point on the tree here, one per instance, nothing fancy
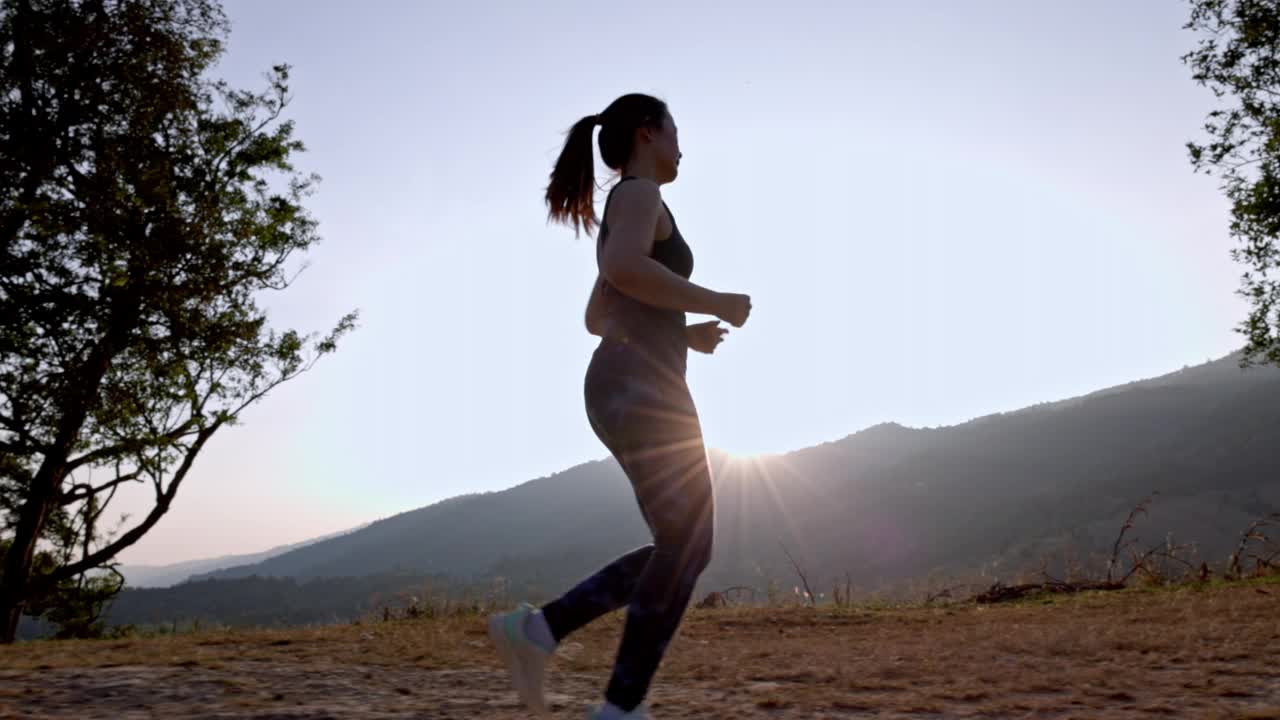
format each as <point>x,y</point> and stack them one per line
<point>1238,59</point>
<point>75,606</point>
<point>144,211</point>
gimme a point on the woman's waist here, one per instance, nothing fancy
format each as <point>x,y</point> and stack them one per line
<point>646,332</point>
<point>642,349</point>
<point>637,320</point>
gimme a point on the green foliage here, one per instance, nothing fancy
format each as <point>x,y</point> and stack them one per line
<point>144,211</point>
<point>76,607</point>
<point>1238,59</point>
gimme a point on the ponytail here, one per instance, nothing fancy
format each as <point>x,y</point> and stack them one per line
<point>571,192</point>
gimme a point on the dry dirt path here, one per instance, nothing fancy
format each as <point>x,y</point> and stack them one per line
<point>1184,654</point>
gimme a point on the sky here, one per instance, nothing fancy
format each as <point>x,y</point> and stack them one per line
<point>941,210</point>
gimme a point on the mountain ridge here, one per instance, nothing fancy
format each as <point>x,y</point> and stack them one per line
<point>1075,465</point>
<point>169,574</point>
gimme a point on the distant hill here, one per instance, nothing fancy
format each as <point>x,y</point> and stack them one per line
<point>886,503</point>
<point>161,576</point>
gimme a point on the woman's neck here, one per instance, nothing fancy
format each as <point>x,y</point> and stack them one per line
<point>642,167</point>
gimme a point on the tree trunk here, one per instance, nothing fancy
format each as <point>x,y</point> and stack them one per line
<point>17,563</point>
<point>31,518</point>
<point>75,407</point>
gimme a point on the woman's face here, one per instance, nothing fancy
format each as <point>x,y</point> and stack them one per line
<point>666,148</point>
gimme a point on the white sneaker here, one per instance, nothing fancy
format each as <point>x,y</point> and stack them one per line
<point>526,662</point>
<point>639,713</point>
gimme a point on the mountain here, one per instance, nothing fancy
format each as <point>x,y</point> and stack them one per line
<point>887,504</point>
<point>162,576</point>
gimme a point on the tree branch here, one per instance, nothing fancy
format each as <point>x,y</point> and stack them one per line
<point>1139,563</point>
<point>813,599</point>
<point>114,451</point>
<point>1139,509</point>
<point>89,491</point>
<point>136,533</point>
<point>27,441</point>
<point>234,147</point>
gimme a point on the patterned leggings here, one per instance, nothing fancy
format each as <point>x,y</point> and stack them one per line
<point>642,411</point>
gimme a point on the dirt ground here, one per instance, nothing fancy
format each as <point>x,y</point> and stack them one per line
<point>1211,653</point>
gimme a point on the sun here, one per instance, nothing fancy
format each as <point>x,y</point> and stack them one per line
<point>744,458</point>
<point>733,455</point>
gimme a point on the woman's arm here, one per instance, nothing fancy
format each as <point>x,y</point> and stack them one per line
<point>625,260</point>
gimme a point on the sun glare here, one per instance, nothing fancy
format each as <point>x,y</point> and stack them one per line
<point>740,457</point>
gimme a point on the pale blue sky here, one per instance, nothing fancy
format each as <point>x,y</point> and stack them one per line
<point>941,210</point>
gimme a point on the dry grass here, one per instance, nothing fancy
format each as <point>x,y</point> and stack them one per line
<point>1210,653</point>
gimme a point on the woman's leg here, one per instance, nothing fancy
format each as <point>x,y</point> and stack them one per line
<point>607,590</point>
<point>620,396</point>
<point>672,482</point>
<point>648,421</point>
<point>612,587</point>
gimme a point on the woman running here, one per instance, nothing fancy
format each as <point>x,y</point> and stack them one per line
<point>636,399</point>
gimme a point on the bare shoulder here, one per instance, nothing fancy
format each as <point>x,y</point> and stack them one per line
<point>633,222</point>
<point>636,199</point>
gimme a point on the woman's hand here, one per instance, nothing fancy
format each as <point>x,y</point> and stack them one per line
<point>733,308</point>
<point>704,337</point>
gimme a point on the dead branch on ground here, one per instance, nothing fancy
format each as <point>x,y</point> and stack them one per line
<point>720,598</point>
<point>1139,509</point>
<point>1254,534</point>
<point>813,599</point>
<point>999,592</point>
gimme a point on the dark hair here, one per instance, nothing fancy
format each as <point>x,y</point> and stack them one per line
<point>571,192</point>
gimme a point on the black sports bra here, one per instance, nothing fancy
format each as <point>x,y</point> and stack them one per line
<point>673,252</point>
<point>660,330</point>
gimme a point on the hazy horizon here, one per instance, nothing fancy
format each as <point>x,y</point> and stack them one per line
<point>940,213</point>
